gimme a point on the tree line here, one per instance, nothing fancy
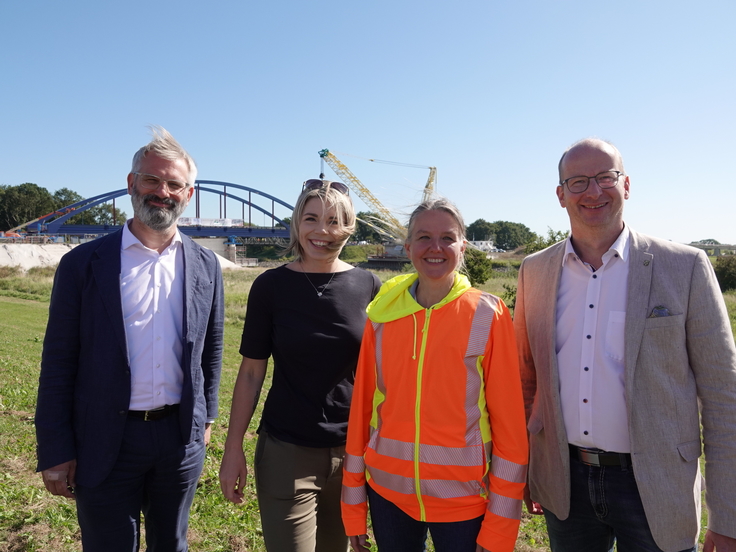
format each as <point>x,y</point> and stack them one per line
<point>504,234</point>
<point>25,202</point>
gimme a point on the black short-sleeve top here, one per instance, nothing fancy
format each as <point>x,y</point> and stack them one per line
<point>314,341</point>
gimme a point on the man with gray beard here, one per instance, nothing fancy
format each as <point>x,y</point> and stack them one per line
<point>131,366</point>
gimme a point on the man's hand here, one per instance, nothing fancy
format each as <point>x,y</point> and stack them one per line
<point>718,542</point>
<point>207,434</point>
<point>233,473</point>
<point>534,508</point>
<point>60,480</point>
<point>360,543</point>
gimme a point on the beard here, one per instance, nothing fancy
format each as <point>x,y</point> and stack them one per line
<point>157,218</point>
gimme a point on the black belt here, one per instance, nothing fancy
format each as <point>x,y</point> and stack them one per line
<point>156,414</point>
<point>596,457</point>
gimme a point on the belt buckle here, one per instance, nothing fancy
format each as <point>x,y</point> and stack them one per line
<point>147,418</point>
<point>589,457</point>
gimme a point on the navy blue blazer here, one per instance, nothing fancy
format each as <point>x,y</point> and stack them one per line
<point>84,387</point>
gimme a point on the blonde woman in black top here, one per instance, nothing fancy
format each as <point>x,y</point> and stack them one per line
<point>309,316</point>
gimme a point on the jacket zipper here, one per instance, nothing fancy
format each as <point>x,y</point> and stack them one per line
<point>417,408</point>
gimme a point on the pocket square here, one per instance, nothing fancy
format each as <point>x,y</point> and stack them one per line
<point>659,312</point>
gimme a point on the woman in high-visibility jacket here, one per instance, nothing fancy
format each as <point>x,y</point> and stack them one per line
<point>437,435</point>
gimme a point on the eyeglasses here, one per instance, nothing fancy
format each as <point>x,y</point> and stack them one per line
<point>578,184</point>
<point>316,184</point>
<point>152,182</point>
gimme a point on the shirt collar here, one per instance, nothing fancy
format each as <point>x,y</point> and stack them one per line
<point>129,240</point>
<point>621,247</point>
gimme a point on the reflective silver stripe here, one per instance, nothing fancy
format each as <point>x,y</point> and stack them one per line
<point>354,495</point>
<point>438,488</point>
<point>508,470</point>
<point>504,506</point>
<point>428,454</point>
<point>453,456</point>
<point>392,447</point>
<point>441,488</point>
<point>397,483</point>
<point>354,464</point>
<point>482,320</point>
<point>477,342</point>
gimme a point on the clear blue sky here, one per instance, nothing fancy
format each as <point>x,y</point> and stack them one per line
<point>489,92</point>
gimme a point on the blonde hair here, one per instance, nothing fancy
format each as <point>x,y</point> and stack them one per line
<point>330,198</point>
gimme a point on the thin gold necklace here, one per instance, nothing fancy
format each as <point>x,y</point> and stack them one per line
<point>324,288</point>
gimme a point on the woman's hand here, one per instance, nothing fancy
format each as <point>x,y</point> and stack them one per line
<point>359,543</point>
<point>233,474</point>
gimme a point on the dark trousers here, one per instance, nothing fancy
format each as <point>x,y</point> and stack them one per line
<point>156,474</point>
<point>396,531</point>
<point>605,507</point>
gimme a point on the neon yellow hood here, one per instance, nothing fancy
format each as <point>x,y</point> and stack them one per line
<point>394,300</point>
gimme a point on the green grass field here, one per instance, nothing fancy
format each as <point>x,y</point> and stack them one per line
<point>33,520</point>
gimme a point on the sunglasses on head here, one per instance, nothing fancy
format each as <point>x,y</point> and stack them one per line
<point>316,184</point>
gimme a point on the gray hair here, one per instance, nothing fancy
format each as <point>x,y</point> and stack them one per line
<point>165,146</point>
<point>330,197</point>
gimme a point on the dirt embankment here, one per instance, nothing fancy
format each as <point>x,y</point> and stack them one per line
<point>29,255</point>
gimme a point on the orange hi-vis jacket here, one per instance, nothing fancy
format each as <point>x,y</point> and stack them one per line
<point>437,421</point>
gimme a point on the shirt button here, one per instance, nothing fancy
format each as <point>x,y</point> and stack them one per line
<point>159,338</point>
<point>591,306</point>
<point>585,432</point>
<point>585,400</point>
<point>158,366</point>
<point>587,336</point>
<point>586,368</point>
<point>595,275</point>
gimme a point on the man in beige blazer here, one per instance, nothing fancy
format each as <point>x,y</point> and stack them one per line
<point>626,349</point>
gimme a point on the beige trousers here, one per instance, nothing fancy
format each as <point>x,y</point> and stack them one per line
<point>299,496</point>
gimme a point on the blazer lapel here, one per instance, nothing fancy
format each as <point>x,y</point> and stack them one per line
<point>191,268</point>
<point>549,288</point>
<point>106,270</point>
<point>641,264</point>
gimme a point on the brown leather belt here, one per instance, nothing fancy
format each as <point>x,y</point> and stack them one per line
<point>153,415</point>
<point>596,457</point>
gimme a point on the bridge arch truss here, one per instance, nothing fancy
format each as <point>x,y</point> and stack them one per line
<point>55,223</point>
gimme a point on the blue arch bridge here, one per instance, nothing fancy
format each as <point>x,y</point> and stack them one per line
<point>242,228</point>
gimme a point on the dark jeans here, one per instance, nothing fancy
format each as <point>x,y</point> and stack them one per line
<point>396,531</point>
<point>156,474</point>
<point>605,507</point>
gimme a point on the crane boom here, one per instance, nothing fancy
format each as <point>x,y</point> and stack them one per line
<point>429,187</point>
<point>364,193</point>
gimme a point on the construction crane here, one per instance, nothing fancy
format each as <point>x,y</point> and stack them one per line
<point>429,187</point>
<point>394,227</point>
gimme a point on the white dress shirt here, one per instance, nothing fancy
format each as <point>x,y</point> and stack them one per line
<point>591,315</point>
<point>152,292</point>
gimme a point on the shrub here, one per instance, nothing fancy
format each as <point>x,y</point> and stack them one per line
<point>726,272</point>
<point>477,268</point>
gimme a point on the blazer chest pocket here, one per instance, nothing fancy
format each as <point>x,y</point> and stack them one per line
<point>664,321</point>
